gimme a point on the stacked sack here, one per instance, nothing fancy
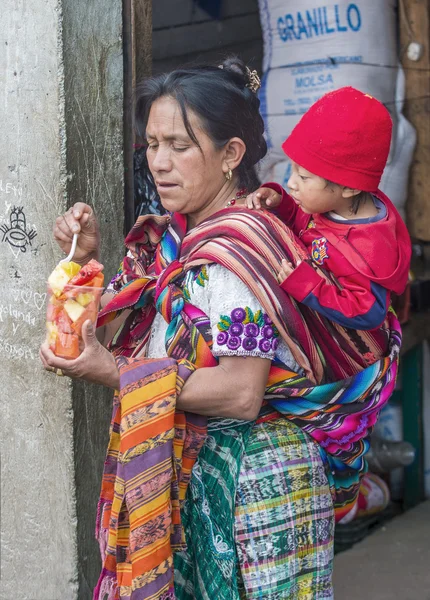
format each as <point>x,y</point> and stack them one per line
<point>311,48</point>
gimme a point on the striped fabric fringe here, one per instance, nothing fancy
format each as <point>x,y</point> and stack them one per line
<point>146,469</point>
<point>153,447</point>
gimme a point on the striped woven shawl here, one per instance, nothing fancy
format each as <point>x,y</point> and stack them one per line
<point>346,378</point>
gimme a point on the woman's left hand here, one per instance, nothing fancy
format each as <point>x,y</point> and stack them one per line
<point>95,364</point>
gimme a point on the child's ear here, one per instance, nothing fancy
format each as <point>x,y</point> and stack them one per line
<point>349,192</point>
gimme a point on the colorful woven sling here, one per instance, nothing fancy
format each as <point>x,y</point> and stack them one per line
<point>347,377</point>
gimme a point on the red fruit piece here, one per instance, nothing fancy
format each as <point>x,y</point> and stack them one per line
<point>70,292</point>
<point>88,272</point>
<point>67,345</point>
<point>64,322</point>
<point>97,281</point>
<point>52,312</point>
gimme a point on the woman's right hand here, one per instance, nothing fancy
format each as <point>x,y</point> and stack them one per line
<point>78,219</point>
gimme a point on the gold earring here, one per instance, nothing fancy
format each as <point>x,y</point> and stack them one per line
<point>229,174</point>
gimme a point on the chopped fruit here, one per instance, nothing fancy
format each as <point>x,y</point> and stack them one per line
<point>51,334</point>
<point>75,295</point>
<point>61,275</point>
<point>70,291</point>
<point>57,280</point>
<point>88,272</point>
<point>84,298</point>
<point>67,345</point>
<point>51,328</point>
<point>73,309</point>
<point>97,281</point>
<point>89,313</point>
<point>64,323</point>
<point>71,268</point>
<point>53,311</point>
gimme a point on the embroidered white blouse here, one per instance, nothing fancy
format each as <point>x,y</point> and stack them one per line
<point>239,325</point>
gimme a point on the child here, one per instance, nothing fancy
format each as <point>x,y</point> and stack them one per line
<point>351,229</point>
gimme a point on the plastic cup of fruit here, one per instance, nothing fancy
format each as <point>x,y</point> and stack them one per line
<point>66,312</point>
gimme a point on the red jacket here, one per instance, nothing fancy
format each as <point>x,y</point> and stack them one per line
<point>369,260</point>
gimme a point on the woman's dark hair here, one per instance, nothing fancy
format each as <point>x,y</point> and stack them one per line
<point>221,99</point>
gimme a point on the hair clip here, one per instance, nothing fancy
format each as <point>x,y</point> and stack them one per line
<point>254,82</point>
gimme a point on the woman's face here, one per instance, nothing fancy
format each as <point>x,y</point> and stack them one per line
<point>188,178</point>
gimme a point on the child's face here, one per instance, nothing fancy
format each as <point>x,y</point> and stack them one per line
<point>313,194</point>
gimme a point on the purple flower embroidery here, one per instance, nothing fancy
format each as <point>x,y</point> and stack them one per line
<point>222,338</point>
<point>252,329</point>
<point>236,328</point>
<point>247,330</point>
<point>233,342</point>
<point>275,344</point>
<point>267,332</point>
<point>238,315</point>
<point>265,345</point>
<point>249,343</point>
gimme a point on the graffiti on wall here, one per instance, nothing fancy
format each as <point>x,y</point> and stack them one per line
<point>16,233</point>
<point>20,305</point>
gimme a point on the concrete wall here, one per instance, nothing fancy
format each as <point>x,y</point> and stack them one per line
<point>60,141</point>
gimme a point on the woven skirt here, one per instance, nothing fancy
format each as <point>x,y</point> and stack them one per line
<point>258,517</point>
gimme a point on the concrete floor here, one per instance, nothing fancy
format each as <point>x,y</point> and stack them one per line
<point>391,564</point>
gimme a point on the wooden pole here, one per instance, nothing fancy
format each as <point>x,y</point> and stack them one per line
<point>137,45</point>
<point>142,33</point>
<point>415,27</point>
<point>128,122</point>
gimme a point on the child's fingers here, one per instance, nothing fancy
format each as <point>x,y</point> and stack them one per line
<point>254,201</point>
<point>286,269</point>
<point>257,200</point>
<point>272,199</point>
<point>250,200</point>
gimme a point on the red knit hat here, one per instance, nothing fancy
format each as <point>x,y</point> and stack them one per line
<point>345,138</point>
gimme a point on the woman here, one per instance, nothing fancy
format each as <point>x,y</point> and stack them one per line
<point>244,496</point>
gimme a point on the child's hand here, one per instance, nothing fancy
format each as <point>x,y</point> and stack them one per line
<point>286,269</point>
<point>265,196</point>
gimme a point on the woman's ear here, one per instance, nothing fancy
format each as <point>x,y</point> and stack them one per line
<point>234,151</point>
<point>349,192</point>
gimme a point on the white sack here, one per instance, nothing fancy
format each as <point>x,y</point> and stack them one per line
<point>312,47</point>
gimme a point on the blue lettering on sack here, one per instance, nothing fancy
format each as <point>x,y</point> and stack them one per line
<point>311,81</point>
<point>351,11</point>
<point>324,20</point>
<point>338,25</point>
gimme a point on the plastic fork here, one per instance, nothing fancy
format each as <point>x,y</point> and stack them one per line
<point>72,250</point>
